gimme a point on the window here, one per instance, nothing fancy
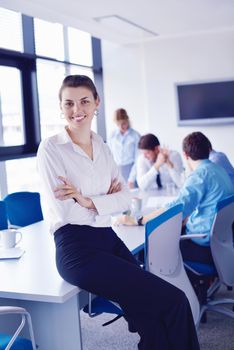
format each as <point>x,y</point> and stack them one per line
<point>11,120</point>
<point>49,77</point>
<point>49,39</point>
<point>11,36</point>
<point>22,175</point>
<point>32,66</point>
<point>82,53</point>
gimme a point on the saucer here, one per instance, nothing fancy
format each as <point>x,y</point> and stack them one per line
<point>11,253</point>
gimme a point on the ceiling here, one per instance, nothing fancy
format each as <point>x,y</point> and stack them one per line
<point>133,21</point>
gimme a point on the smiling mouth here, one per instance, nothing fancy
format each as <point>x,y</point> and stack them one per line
<point>78,118</point>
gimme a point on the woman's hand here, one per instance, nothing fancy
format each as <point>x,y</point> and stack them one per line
<point>129,220</point>
<point>67,191</point>
<point>115,186</point>
<point>131,184</point>
<point>125,220</point>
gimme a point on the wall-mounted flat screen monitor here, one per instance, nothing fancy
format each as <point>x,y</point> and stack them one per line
<point>205,103</point>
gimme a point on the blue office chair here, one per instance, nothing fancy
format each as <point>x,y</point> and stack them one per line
<point>14,342</point>
<point>23,208</point>
<point>209,277</point>
<point>162,253</point>
<point>3,216</point>
<point>98,305</point>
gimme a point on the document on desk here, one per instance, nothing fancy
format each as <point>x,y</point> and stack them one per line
<point>158,202</point>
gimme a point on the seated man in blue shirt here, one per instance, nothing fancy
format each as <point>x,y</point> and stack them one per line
<point>207,184</point>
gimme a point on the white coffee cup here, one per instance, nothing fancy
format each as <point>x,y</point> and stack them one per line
<point>136,205</point>
<point>8,238</point>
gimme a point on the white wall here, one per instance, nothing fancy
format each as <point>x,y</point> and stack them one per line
<point>124,84</point>
<point>141,79</point>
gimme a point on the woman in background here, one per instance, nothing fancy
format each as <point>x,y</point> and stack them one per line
<point>83,187</point>
<point>124,146</point>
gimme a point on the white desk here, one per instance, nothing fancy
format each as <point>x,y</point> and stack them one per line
<point>34,283</point>
<point>160,197</point>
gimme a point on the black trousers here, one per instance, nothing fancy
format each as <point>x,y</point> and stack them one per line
<point>195,252</point>
<point>96,260</point>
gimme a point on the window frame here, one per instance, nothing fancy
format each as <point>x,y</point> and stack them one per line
<point>26,63</point>
<point>31,120</point>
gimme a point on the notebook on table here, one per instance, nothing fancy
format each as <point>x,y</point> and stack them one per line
<point>11,253</point>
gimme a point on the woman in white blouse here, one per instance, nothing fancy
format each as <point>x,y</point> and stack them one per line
<point>83,187</point>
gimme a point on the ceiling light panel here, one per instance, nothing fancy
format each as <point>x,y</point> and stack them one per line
<point>122,26</point>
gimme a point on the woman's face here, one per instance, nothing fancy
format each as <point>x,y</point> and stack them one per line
<point>123,125</point>
<point>78,105</point>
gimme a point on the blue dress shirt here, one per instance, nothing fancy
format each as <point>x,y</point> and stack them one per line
<point>221,159</point>
<point>203,188</point>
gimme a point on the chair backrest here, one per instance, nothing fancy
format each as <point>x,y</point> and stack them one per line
<point>3,216</point>
<point>23,208</point>
<point>163,257</point>
<point>221,241</point>
<point>162,234</point>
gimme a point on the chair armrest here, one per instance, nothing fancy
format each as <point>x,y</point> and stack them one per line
<point>12,310</point>
<point>193,235</point>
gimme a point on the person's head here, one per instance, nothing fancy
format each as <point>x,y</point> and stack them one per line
<point>209,143</point>
<point>196,146</point>
<point>150,146</point>
<point>78,99</point>
<point>121,119</point>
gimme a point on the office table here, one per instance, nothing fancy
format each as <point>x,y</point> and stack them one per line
<point>34,283</point>
<point>154,199</point>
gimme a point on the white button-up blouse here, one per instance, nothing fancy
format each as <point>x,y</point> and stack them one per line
<point>59,156</point>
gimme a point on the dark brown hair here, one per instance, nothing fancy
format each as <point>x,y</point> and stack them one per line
<point>77,81</point>
<point>148,141</point>
<point>197,146</point>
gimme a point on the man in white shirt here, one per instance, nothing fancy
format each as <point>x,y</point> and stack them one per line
<point>156,166</point>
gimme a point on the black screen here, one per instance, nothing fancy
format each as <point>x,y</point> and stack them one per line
<point>206,101</point>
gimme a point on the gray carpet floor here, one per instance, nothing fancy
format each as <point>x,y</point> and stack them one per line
<point>216,334</point>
